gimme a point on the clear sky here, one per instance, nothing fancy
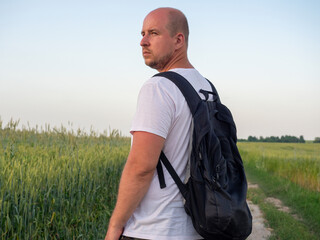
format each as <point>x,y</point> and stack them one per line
<point>80,61</point>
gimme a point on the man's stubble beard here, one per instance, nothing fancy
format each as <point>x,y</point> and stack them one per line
<point>160,63</point>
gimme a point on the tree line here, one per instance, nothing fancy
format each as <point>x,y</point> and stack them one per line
<point>282,139</point>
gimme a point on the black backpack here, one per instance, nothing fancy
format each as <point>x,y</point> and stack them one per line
<point>215,193</point>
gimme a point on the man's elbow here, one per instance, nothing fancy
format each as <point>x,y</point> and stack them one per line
<point>140,171</point>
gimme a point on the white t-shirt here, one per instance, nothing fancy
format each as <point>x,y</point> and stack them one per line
<point>163,110</point>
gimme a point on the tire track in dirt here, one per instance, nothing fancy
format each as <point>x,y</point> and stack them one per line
<point>259,230</point>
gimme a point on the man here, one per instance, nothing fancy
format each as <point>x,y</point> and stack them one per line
<point>162,122</point>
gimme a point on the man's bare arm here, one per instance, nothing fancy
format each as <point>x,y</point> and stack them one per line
<point>135,180</point>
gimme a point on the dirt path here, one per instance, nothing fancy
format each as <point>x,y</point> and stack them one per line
<point>259,231</point>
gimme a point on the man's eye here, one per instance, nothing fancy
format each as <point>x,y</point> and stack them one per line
<point>154,33</point>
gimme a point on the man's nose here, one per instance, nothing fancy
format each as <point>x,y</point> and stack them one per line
<point>144,41</point>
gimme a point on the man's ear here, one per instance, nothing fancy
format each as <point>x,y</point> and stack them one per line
<point>180,40</point>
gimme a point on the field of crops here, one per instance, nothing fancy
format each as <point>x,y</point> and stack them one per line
<point>300,163</point>
<point>57,184</point>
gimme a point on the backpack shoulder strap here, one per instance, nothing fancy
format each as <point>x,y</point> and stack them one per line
<point>193,99</point>
<point>182,187</point>
<point>185,87</point>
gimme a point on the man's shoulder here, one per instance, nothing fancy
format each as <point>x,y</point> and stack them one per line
<point>160,83</point>
<point>185,72</point>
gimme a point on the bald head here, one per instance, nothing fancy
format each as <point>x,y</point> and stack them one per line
<point>176,21</point>
<point>165,39</point>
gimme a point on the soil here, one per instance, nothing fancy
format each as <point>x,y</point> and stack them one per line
<point>259,230</point>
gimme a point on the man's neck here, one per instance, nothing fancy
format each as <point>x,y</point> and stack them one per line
<point>179,60</point>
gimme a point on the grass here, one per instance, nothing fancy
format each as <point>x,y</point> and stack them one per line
<point>282,223</point>
<point>56,184</point>
<point>262,168</point>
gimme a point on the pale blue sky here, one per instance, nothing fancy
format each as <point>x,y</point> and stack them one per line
<point>80,61</point>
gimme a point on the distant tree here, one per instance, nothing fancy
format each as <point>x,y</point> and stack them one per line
<point>252,139</point>
<point>317,140</point>
<point>289,139</point>
<point>284,139</point>
<point>274,139</point>
<point>301,139</point>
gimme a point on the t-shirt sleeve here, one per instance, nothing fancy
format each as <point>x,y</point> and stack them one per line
<point>155,109</point>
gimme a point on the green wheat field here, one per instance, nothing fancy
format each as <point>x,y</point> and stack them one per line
<point>59,184</point>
